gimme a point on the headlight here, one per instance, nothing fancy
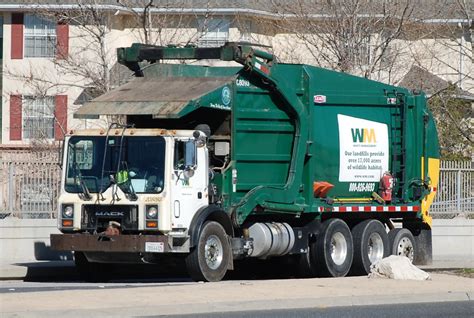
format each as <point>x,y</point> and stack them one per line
<point>68,211</point>
<point>152,212</point>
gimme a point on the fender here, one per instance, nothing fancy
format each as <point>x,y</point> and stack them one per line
<point>208,213</point>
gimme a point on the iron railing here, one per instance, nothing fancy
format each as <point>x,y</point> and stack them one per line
<point>455,193</point>
<point>29,184</point>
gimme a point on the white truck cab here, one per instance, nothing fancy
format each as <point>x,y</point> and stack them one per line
<point>141,180</point>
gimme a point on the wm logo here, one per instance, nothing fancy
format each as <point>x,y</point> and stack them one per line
<point>363,135</point>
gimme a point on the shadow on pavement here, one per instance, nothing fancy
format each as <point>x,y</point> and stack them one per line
<point>173,270</point>
<point>65,271</point>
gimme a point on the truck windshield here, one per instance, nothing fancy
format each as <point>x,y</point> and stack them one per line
<point>140,170</point>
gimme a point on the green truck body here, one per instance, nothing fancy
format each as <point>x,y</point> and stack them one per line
<point>306,146</point>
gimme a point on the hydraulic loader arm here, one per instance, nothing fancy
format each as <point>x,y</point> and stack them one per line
<point>133,55</point>
<point>259,63</point>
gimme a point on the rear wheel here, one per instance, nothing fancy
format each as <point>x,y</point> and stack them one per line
<point>210,257</point>
<point>89,271</point>
<point>402,243</point>
<point>332,252</point>
<point>371,244</point>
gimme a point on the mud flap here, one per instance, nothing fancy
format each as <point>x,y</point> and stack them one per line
<point>230,264</point>
<point>424,243</point>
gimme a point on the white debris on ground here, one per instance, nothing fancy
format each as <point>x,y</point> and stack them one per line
<point>397,267</point>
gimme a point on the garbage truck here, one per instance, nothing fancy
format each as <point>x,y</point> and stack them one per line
<point>263,160</point>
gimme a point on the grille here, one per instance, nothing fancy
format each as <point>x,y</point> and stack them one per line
<point>97,217</point>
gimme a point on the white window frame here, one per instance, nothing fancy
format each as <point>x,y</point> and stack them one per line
<point>38,117</point>
<point>214,32</point>
<point>40,37</point>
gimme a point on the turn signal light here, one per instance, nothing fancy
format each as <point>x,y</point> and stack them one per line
<point>67,223</point>
<point>152,224</point>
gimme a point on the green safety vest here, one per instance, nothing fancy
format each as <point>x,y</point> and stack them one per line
<point>122,176</point>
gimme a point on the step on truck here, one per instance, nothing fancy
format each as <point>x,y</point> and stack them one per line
<point>258,160</point>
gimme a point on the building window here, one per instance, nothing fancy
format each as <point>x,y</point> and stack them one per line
<point>38,117</point>
<point>40,37</point>
<point>363,51</point>
<point>214,32</point>
<point>245,28</point>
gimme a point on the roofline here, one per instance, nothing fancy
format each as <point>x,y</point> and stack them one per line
<point>199,11</point>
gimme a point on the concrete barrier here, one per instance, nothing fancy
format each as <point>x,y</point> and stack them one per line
<point>453,239</point>
<point>23,240</point>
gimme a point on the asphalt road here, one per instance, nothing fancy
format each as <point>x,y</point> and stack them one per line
<point>456,309</point>
<point>17,286</point>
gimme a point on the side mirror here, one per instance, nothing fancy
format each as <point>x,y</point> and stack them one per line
<point>190,160</point>
<point>61,147</point>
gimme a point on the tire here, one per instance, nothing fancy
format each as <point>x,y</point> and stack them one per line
<point>402,243</point>
<point>332,253</point>
<point>89,271</point>
<point>371,244</point>
<point>209,259</point>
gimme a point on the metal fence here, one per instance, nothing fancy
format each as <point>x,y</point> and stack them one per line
<point>29,186</point>
<point>455,193</point>
<point>29,183</point>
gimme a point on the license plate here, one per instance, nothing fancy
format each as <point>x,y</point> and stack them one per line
<point>154,247</point>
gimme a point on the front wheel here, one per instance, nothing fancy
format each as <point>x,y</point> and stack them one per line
<point>333,250</point>
<point>209,259</point>
<point>402,243</point>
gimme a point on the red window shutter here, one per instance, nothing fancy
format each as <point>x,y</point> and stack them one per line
<point>16,121</point>
<point>60,115</point>
<point>17,36</point>
<point>62,35</point>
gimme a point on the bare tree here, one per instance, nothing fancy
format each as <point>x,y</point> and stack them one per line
<point>152,28</point>
<point>447,44</point>
<point>86,65</point>
<point>90,61</point>
<point>352,36</point>
<point>453,118</point>
<point>169,22</point>
<point>382,39</point>
<point>91,58</point>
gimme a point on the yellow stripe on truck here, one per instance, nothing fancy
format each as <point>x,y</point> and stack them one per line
<point>433,174</point>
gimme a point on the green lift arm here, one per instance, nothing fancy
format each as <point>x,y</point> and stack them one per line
<point>259,63</point>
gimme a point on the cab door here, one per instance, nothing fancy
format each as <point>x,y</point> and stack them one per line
<point>189,182</point>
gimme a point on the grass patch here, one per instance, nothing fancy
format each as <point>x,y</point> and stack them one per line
<point>466,272</point>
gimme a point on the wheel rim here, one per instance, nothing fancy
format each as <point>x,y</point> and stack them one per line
<point>375,247</point>
<point>213,252</point>
<point>405,248</point>
<point>338,248</point>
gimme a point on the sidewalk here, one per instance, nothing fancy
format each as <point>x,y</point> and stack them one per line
<point>227,296</point>
<point>65,270</point>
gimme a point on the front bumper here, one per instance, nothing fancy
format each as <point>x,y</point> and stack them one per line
<point>116,243</point>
